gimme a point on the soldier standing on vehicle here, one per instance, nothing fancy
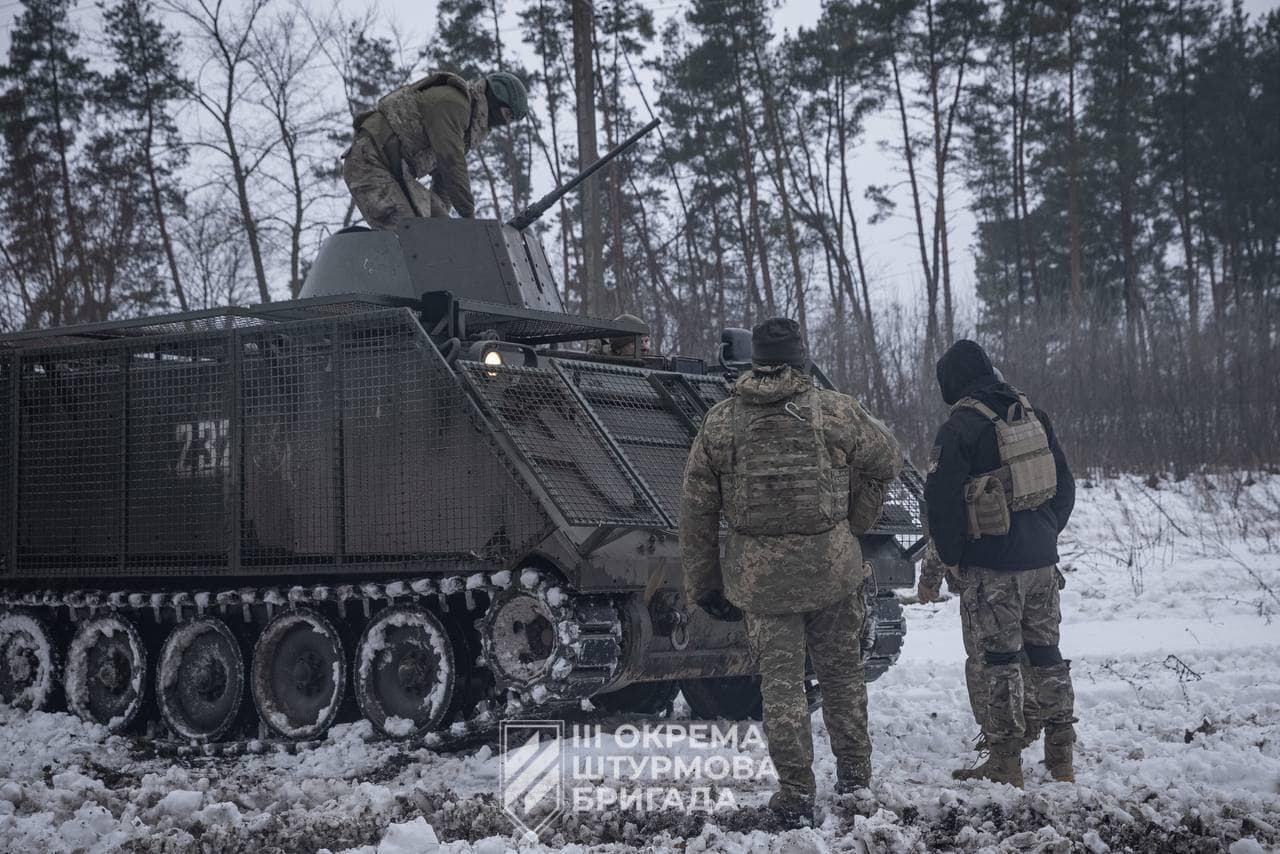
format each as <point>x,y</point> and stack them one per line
<point>426,128</point>
<point>799,472</point>
<point>999,492</point>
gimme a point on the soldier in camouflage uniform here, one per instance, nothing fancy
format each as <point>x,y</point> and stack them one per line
<point>426,129</point>
<point>994,451</point>
<point>799,472</point>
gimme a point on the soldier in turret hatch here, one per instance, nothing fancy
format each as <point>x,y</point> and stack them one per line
<point>426,129</point>
<point>627,346</point>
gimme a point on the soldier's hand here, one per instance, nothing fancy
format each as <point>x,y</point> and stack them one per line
<point>714,603</point>
<point>925,593</point>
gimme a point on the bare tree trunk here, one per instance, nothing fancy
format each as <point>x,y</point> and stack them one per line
<point>1021,178</point>
<point>89,310</point>
<point>1190,274</point>
<point>1073,177</point>
<point>158,210</point>
<point>591,279</point>
<point>694,259</point>
<point>777,171</point>
<point>753,210</point>
<point>240,179</point>
<point>931,287</point>
<point>1015,128</point>
<point>610,112</point>
<point>940,260</point>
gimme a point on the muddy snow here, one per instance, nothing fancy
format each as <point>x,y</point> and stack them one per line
<point>1170,618</point>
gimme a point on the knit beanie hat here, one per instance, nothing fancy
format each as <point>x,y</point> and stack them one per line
<point>777,341</point>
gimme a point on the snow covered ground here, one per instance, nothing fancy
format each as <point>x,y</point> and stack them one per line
<point>1170,617</point>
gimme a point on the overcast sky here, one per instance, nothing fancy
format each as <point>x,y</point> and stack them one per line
<point>892,255</point>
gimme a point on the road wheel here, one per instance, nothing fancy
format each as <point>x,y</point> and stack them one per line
<point>106,672</point>
<point>28,663</point>
<point>299,674</point>
<point>405,671</point>
<point>200,679</point>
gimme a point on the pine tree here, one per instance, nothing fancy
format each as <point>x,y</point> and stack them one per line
<point>625,29</point>
<point>140,93</point>
<point>1127,48</point>
<point>46,85</point>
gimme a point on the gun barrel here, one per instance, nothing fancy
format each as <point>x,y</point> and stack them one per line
<point>526,217</point>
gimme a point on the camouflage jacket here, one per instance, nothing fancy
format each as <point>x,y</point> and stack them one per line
<point>438,120</point>
<point>786,573</point>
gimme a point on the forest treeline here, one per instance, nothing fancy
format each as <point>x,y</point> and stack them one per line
<point>1121,160</point>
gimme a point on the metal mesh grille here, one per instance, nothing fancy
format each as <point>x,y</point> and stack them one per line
<point>211,320</point>
<point>570,457</point>
<point>71,465</point>
<point>289,403</point>
<point>325,444</point>
<point>534,326</point>
<point>6,460</point>
<point>903,504</point>
<point>421,478</point>
<point>177,453</point>
<point>655,439</point>
<point>711,389</point>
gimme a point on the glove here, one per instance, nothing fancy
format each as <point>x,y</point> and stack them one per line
<point>926,593</point>
<point>714,603</point>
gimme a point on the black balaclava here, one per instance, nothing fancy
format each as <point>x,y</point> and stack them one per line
<point>963,369</point>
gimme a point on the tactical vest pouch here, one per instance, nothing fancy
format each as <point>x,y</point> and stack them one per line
<point>987,507</point>
<point>1028,472</point>
<point>782,479</point>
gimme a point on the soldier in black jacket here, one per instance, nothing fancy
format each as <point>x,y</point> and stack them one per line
<point>999,492</point>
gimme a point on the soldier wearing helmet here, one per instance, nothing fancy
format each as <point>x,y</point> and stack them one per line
<point>626,345</point>
<point>426,129</point>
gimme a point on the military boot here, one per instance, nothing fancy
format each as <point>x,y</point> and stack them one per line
<point>1058,740</point>
<point>851,776</point>
<point>791,809</point>
<point>1003,765</point>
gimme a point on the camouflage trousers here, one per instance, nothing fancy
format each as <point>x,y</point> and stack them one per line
<point>831,636</point>
<point>1016,618</point>
<point>975,666</point>
<point>379,196</point>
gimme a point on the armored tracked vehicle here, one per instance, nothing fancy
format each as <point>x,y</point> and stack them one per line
<point>411,495</point>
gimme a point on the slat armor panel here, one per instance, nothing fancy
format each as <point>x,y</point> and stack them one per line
<point>322,445</point>
<point>654,438</point>
<point>583,473</point>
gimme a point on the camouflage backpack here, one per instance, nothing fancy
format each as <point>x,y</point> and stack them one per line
<point>1027,477</point>
<point>782,479</point>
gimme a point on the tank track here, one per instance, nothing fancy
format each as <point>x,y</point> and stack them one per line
<point>584,622</point>
<point>889,629</point>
